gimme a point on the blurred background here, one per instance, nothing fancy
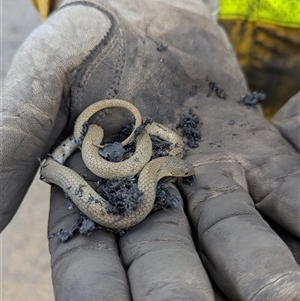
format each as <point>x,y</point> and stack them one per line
<point>25,262</point>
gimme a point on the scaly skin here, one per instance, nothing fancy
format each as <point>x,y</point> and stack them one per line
<point>94,206</point>
<point>89,201</point>
<point>133,165</point>
<point>87,113</point>
<point>110,170</point>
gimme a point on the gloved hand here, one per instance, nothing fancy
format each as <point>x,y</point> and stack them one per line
<point>166,57</point>
<point>287,121</point>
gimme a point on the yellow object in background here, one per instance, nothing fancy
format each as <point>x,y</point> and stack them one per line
<point>265,35</point>
<point>43,6</point>
<point>284,13</point>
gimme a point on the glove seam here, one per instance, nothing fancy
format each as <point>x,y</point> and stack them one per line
<point>213,161</point>
<point>233,189</point>
<point>269,284</point>
<point>221,219</point>
<point>111,39</point>
<point>250,169</point>
<point>114,36</point>
<point>291,173</point>
<point>81,247</point>
<point>80,73</point>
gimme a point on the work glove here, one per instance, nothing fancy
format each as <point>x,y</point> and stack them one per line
<point>235,233</point>
<point>287,121</point>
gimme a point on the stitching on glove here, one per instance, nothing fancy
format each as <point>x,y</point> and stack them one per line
<point>270,284</point>
<point>90,246</point>
<point>81,75</point>
<point>114,90</point>
<point>223,218</point>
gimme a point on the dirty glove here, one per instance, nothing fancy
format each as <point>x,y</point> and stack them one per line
<point>169,58</point>
<point>287,121</point>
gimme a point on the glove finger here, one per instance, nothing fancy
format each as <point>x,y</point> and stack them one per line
<point>287,121</point>
<point>35,104</point>
<point>245,258</point>
<point>86,266</point>
<point>161,259</point>
<point>276,190</point>
<point>289,239</point>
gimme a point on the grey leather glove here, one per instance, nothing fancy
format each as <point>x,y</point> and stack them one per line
<point>166,57</point>
<point>287,121</point>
